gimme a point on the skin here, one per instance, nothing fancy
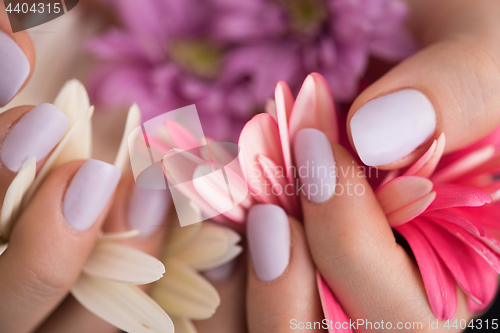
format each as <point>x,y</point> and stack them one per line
<point>371,275</point>
<point>36,275</point>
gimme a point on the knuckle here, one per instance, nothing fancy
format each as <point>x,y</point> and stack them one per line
<point>45,280</point>
<point>476,85</point>
<point>482,61</point>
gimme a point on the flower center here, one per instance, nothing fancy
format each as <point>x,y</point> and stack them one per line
<point>197,56</point>
<point>305,15</point>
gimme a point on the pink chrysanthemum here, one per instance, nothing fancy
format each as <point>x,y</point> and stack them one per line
<point>227,55</point>
<point>450,221</point>
<point>443,206</point>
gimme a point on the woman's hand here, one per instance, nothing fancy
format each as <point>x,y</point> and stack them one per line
<point>55,233</point>
<point>452,86</point>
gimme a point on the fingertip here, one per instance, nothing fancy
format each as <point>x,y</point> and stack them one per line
<point>89,193</point>
<point>268,233</point>
<point>46,252</point>
<point>145,210</point>
<point>388,128</point>
<point>279,262</point>
<point>17,59</point>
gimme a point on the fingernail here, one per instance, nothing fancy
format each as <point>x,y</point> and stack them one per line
<point>89,192</point>
<point>268,235</point>
<point>35,134</point>
<point>390,127</point>
<point>315,163</point>
<point>14,68</point>
<point>147,209</point>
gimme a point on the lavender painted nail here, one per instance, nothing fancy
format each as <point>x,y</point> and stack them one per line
<point>14,68</point>
<point>390,127</point>
<point>89,192</point>
<point>147,209</point>
<point>35,134</point>
<point>315,163</point>
<point>268,235</point>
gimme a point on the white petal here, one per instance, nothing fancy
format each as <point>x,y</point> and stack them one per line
<point>183,325</point>
<point>181,236</point>
<point>124,306</point>
<point>208,246</point>
<point>226,257</point>
<point>13,197</point>
<point>3,247</point>
<point>179,167</point>
<point>67,150</point>
<point>123,264</point>
<point>73,100</point>
<point>118,235</point>
<point>185,293</point>
<point>133,121</point>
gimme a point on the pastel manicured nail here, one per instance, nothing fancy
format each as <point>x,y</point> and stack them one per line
<point>35,134</point>
<point>315,164</point>
<point>268,235</point>
<point>390,127</point>
<point>89,192</point>
<point>147,209</point>
<point>14,68</point>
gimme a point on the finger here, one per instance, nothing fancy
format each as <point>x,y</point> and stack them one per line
<point>17,59</point>
<point>450,87</point>
<point>351,241</point>
<point>25,132</point>
<point>52,240</point>
<point>282,293</point>
<point>230,316</point>
<point>132,208</point>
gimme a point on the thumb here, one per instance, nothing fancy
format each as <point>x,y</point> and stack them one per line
<point>51,241</point>
<point>450,87</point>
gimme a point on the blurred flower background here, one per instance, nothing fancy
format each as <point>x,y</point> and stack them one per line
<point>226,56</point>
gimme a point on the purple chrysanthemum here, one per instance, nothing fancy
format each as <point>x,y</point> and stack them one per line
<point>227,55</point>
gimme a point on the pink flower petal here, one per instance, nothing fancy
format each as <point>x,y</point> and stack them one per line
<point>158,144</point>
<point>390,176</point>
<point>457,196</point>
<point>491,257</point>
<point>223,190</point>
<point>491,139</point>
<point>438,281</point>
<point>179,167</point>
<point>460,218</point>
<point>402,191</point>
<point>488,215</point>
<point>493,190</point>
<point>489,281</point>
<point>314,108</point>
<point>463,165</point>
<point>181,137</point>
<point>490,168</point>
<point>331,308</point>
<point>460,259</point>
<point>224,153</point>
<point>260,136</point>
<point>426,165</point>
<point>410,211</point>
<point>280,187</point>
<point>284,104</point>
